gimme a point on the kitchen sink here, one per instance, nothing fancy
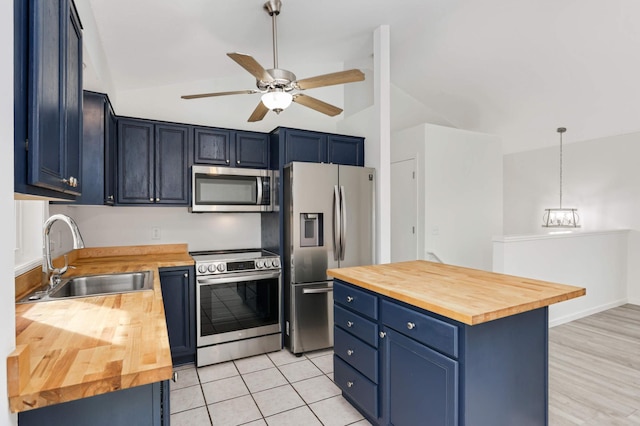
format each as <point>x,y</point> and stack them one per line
<point>94,285</point>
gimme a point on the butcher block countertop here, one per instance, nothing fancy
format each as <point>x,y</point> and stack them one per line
<point>470,296</point>
<point>77,348</point>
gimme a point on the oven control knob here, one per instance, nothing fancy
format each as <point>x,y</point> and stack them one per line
<point>212,267</point>
<point>260,264</point>
<point>276,263</point>
<point>221,267</point>
<point>202,269</point>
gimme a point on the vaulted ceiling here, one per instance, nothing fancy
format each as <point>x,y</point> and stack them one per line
<point>515,68</point>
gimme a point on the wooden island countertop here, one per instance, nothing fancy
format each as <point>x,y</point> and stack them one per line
<point>81,347</point>
<point>470,296</point>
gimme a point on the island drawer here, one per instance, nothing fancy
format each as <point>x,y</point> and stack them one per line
<point>357,325</point>
<point>356,387</point>
<point>356,353</point>
<point>431,331</point>
<point>357,300</point>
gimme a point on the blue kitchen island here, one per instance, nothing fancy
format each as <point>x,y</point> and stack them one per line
<point>422,343</point>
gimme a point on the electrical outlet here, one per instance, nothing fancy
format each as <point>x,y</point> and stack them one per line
<point>155,233</point>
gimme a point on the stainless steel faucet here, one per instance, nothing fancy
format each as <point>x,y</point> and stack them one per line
<point>50,274</point>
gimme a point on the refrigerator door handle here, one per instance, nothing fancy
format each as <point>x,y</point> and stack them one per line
<point>343,226</point>
<point>336,223</point>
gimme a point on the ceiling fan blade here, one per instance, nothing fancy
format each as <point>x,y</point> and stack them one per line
<point>317,104</point>
<point>258,113</point>
<point>248,63</point>
<point>207,95</point>
<point>341,77</point>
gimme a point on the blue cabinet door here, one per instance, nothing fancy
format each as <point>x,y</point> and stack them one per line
<point>212,146</point>
<point>347,150</point>
<point>54,96</point>
<point>252,150</point>
<point>420,384</point>
<point>171,164</point>
<point>178,295</point>
<point>136,164</point>
<point>93,149</point>
<point>303,145</point>
<point>110,156</point>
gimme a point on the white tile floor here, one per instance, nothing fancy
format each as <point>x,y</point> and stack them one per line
<point>272,389</point>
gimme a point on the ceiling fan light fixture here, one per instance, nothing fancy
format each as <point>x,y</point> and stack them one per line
<point>277,100</point>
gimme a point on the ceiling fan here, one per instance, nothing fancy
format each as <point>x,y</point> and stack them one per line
<point>280,87</point>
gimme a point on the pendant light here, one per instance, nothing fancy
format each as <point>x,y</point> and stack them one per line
<point>561,217</point>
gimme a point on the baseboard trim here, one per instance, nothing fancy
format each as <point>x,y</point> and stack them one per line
<point>585,313</point>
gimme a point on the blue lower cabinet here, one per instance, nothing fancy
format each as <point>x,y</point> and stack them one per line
<point>426,369</point>
<point>422,384</point>
<point>146,405</point>
<point>178,296</point>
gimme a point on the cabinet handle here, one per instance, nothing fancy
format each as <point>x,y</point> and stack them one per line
<point>349,299</point>
<point>411,325</point>
<point>227,161</point>
<point>349,384</point>
<point>110,198</point>
<point>349,324</point>
<point>151,199</point>
<point>174,377</point>
<point>157,199</point>
<point>237,161</point>
<point>349,352</point>
<point>186,275</point>
<point>383,334</point>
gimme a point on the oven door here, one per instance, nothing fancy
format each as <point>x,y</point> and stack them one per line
<point>236,307</point>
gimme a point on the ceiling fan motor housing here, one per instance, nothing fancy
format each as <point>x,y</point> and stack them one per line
<point>282,79</point>
<point>273,7</point>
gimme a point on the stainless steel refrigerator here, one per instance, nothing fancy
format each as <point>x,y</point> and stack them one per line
<point>328,223</point>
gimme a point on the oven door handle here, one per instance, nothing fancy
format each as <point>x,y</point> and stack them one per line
<point>317,290</point>
<point>237,278</point>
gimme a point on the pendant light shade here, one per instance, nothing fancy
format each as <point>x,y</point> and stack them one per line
<point>561,217</point>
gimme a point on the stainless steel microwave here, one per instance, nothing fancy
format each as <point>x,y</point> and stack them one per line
<point>228,189</point>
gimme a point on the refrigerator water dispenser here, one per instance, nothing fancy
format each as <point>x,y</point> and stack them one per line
<point>311,230</point>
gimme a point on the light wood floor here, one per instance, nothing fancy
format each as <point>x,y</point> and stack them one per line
<point>594,369</point>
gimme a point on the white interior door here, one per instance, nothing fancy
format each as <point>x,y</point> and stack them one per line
<point>404,211</point>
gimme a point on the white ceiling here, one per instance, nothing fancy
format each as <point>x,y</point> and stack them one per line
<point>515,68</point>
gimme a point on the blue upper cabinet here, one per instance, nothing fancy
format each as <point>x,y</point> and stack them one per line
<point>252,150</point>
<point>152,166</point>
<point>224,147</point>
<point>54,108</point>
<point>316,147</point>
<point>348,150</point>
<point>212,146</point>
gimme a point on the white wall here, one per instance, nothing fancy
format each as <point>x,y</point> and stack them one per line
<point>459,178</point>
<point>600,178</point>
<point>7,228</point>
<point>374,123</point>
<point>102,226</point>
<point>596,261</point>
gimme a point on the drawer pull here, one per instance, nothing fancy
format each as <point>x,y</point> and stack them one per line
<point>349,352</point>
<point>349,299</point>
<point>349,384</point>
<point>349,324</point>
<point>411,325</point>
<point>383,334</point>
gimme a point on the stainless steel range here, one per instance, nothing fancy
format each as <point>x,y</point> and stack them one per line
<point>237,304</point>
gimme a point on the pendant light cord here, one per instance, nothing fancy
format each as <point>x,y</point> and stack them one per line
<point>561,130</point>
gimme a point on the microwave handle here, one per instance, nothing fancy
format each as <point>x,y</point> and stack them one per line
<point>259,190</point>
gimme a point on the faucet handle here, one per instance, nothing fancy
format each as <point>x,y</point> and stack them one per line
<point>60,271</point>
